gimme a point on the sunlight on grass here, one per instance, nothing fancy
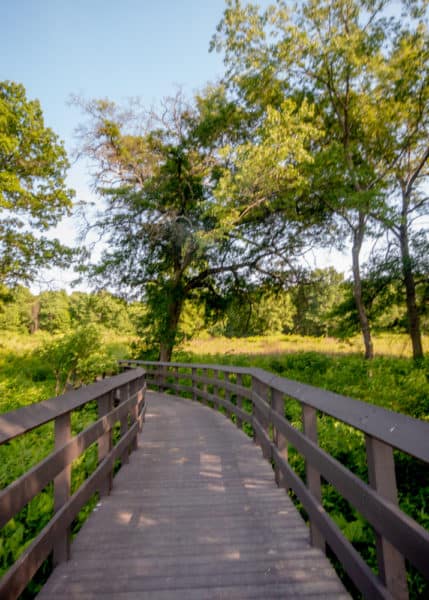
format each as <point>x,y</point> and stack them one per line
<point>385,345</point>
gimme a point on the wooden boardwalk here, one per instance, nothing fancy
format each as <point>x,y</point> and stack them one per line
<point>195,515</point>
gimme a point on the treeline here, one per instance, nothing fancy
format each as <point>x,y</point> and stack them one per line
<point>315,137</point>
<point>58,312</point>
<point>320,304</point>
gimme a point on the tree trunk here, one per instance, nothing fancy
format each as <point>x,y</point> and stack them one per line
<point>35,313</point>
<point>410,286</point>
<point>358,234</point>
<point>168,338</point>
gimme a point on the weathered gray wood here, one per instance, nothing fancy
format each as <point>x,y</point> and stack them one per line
<point>309,421</point>
<point>390,521</point>
<point>62,486</point>
<point>17,494</point>
<point>16,579</point>
<point>280,441</point>
<point>105,442</point>
<point>123,397</point>
<point>261,413</point>
<point>381,471</point>
<point>359,572</point>
<point>17,422</point>
<point>395,429</point>
<point>239,398</point>
<point>194,385</point>
<point>194,516</point>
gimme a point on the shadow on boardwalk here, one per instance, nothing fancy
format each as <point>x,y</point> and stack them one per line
<point>195,515</point>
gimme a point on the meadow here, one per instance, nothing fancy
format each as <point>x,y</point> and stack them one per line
<point>392,380</point>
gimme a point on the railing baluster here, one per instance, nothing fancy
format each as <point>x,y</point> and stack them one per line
<point>381,472</point>
<point>105,405</point>
<point>205,386</point>
<point>194,385</point>
<point>176,380</point>
<point>309,418</point>
<point>239,400</point>
<point>229,412</point>
<point>124,395</point>
<point>261,390</point>
<point>62,487</point>
<point>134,386</point>
<point>278,405</point>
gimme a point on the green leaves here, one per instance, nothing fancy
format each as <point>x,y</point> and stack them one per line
<point>77,358</point>
<point>33,194</point>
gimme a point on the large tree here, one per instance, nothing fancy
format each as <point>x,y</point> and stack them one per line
<point>403,94</point>
<point>33,193</point>
<point>168,235</point>
<point>331,56</point>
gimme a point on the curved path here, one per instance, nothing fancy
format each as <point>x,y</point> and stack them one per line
<point>195,515</point>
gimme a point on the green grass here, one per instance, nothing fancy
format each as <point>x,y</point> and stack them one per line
<point>25,379</point>
<point>392,382</point>
<point>397,345</point>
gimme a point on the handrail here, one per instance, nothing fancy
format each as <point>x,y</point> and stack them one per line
<point>22,420</point>
<point>395,429</point>
<point>120,399</point>
<point>398,536</point>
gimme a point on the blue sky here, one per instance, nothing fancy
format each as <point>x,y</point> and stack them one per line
<point>104,48</point>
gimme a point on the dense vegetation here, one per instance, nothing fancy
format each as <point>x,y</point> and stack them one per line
<point>389,381</point>
<point>315,137</point>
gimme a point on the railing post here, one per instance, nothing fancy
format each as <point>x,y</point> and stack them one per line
<point>176,380</point>
<point>194,385</point>
<point>105,405</point>
<point>309,418</point>
<point>381,472</point>
<point>134,386</point>
<point>278,405</point>
<point>260,389</point>
<point>62,486</point>
<point>239,399</point>
<point>124,395</point>
<point>205,386</point>
<point>215,387</point>
<point>229,412</point>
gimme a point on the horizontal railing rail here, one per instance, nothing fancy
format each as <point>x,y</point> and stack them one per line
<point>120,400</point>
<point>258,398</point>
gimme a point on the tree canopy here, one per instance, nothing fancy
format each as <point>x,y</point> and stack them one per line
<point>33,192</point>
<point>361,76</point>
<point>169,235</point>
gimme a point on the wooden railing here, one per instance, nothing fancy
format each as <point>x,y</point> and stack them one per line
<point>397,535</point>
<point>120,400</point>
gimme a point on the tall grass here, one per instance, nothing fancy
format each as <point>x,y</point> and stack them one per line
<point>398,345</point>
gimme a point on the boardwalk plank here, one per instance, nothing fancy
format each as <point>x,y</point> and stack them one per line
<point>196,515</point>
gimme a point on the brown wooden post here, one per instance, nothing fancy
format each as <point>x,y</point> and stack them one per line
<point>381,472</point>
<point>194,385</point>
<point>278,405</point>
<point>62,487</point>
<point>309,418</point>
<point>163,372</point>
<point>176,379</point>
<point>105,405</point>
<point>228,397</point>
<point>261,390</point>
<point>140,400</point>
<point>239,400</point>
<point>215,387</point>
<point>124,395</point>
<point>133,389</point>
<point>205,386</point>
